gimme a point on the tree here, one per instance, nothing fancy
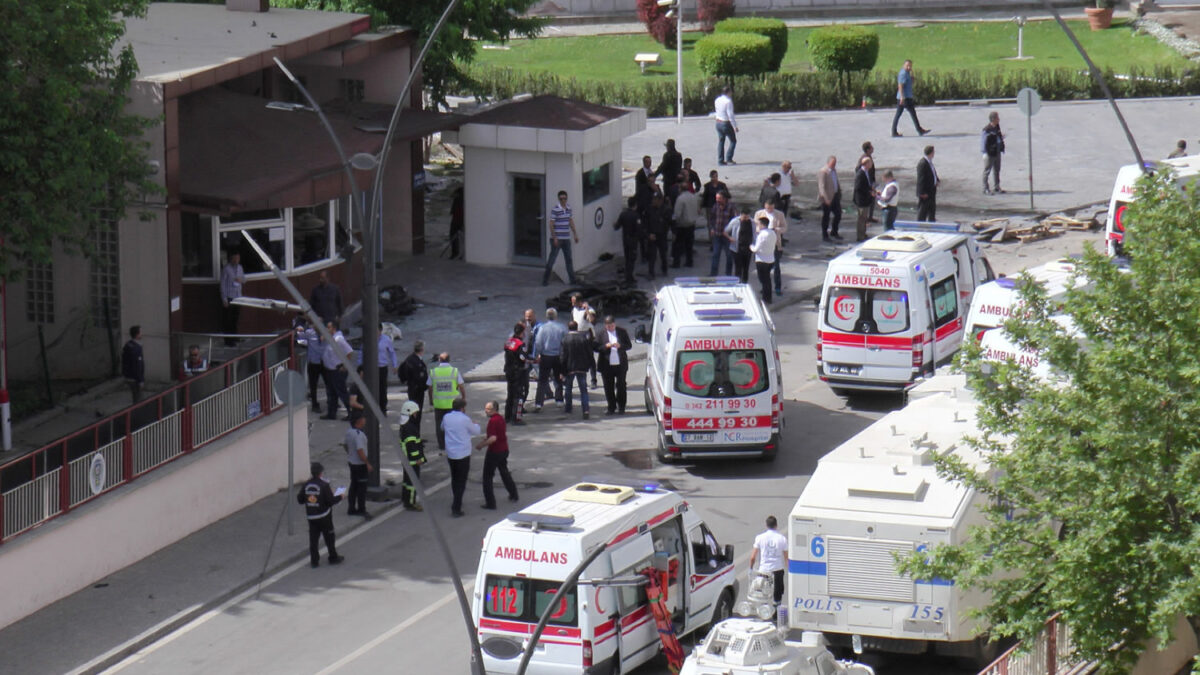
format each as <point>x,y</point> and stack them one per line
<point>660,26</point>
<point>72,159</point>
<point>474,21</point>
<point>1094,504</point>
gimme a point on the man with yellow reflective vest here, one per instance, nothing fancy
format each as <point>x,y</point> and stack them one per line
<point>413,450</point>
<point>445,384</point>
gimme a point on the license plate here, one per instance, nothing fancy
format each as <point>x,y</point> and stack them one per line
<point>837,369</point>
<point>694,437</point>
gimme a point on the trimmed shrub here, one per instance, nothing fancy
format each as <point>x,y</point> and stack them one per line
<point>658,25</point>
<point>843,48</point>
<point>709,12</point>
<point>773,29</point>
<point>731,54</point>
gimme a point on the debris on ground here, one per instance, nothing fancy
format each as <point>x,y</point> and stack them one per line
<point>395,301</point>
<point>997,230</point>
<point>606,298</point>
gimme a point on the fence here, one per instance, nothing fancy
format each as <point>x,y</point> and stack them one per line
<point>91,462</point>
<point>1050,654</point>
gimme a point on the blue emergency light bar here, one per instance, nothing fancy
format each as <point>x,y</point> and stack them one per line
<point>707,281</point>
<point>1006,282</point>
<point>540,520</point>
<point>915,226</point>
<point>721,314</point>
<point>640,486</point>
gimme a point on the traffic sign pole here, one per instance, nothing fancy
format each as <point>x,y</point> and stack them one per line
<point>1029,102</point>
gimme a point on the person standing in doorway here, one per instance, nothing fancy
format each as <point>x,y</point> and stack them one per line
<point>458,429</point>
<point>445,386</point>
<point>355,443</point>
<point>991,144</point>
<point>829,191</point>
<point>770,556</point>
<point>232,278</point>
<point>613,347</point>
<point>496,441</point>
<point>764,255</point>
<point>889,200</point>
<point>413,374</point>
<point>864,197</point>
<point>927,184</point>
<point>562,233</point>
<point>904,99</point>
<point>133,365</point>
<point>326,299</point>
<point>726,126</point>
<point>318,501</point>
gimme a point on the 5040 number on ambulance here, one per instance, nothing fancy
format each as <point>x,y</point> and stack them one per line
<point>605,624</point>
<point>894,308</point>
<point>713,379</point>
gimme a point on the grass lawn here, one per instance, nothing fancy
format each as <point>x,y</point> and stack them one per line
<point>933,46</point>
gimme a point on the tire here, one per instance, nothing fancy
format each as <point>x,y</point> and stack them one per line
<point>615,668</point>
<point>722,611</point>
<point>646,397</point>
<point>844,393</point>
<point>663,456</point>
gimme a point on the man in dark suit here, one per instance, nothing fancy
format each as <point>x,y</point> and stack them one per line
<point>671,165</point>
<point>644,187</point>
<point>612,347</point>
<point>630,225</point>
<point>927,182</point>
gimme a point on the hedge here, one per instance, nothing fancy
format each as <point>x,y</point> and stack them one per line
<point>731,54</point>
<point>788,92</point>
<point>774,29</point>
<point>844,48</point>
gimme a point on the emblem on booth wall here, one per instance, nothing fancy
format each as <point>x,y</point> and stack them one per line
<point>598,217</point>
<point>97,474</point>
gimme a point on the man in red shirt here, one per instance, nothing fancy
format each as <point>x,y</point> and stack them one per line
<point>496,442</point>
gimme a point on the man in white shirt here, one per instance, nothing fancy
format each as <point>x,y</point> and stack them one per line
<point>770,554</point>
<point>726,126</point>
<point>334,373</point>
<point>458,429</point>
<point>779,226</point>
<point>763,249</point>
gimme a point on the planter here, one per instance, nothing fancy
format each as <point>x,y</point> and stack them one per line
<point>1099,18</point>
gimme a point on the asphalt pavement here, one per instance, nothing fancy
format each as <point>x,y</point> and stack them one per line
<point>469,309</point>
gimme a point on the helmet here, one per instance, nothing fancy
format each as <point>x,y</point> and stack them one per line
<point>409,409</point>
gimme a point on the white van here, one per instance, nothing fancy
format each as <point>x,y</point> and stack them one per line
<point>1186,168</point>
<point>995,301</point>
<point>876,495</point>
<point>713,379</point>
<point>598,627</point>
<point>894,307</point>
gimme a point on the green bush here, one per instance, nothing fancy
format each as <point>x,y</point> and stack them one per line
<point>731,54</point>
<point>789,92</point>
<point>843,48</point>
<point>774,30</point>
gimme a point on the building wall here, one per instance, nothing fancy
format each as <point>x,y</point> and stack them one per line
<point>153,511</point>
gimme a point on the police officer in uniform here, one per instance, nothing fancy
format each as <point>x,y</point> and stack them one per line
<point>318,501</point>
<point>414,374</point>
<point>414,451</point>
<point>355,443</point>
<point>445,385</point>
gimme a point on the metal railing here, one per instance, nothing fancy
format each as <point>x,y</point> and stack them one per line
<point>1050,654</point>
<point>35,488</point>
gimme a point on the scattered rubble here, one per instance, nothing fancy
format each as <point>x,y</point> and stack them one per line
<point>1027,229</point>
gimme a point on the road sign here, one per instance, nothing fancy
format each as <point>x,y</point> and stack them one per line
<point>1029,101</point>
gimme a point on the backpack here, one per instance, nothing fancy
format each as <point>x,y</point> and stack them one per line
<point>993,144</point>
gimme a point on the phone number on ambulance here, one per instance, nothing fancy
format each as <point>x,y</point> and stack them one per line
<point>722,404</point>
<point>720,422</point>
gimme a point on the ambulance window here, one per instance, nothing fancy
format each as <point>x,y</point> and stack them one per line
<point>889,310</point>
<point>630,598</point>
<point>945,302</point>
<point>843,306</point>
<point>563,613</point>
<point>721,373</point>
<point>1119,220</point>
<point>505,597</point>
<point>510,598</point>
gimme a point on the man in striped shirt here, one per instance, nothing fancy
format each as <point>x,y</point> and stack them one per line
<point>562,232</point>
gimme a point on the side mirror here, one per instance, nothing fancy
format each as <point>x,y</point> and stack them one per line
<point>729,553</point>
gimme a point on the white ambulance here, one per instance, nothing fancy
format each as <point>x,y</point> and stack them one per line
<point>606,624</point>
<point>995,301</point>
<point>1186,169</point>
<point>713,379</point>
<point>894,307</point>
<point>876,495</point>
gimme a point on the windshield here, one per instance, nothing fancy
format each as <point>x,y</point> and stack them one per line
<point>524,599</point>
<point>866,310</point>
<point>722,373</point>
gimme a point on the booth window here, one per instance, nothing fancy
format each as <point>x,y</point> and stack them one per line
<point>104,282</point>
<point>596,183</point>
<point>39,293</point>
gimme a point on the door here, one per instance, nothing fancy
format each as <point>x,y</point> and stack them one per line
<point>707,564</point>
<point>528,218</point>
<point>947,318</point>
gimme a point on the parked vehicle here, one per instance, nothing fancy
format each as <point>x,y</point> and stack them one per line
<point>742,646</point>
<point>1186,170</point>
<point>996,301</point>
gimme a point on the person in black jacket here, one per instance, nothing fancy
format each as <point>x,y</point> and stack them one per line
<point>612,348</point>
<point>133,366</point>
<point>927,182</point>
<point>864,195</point>
<point>655,226</point>
<point>670,166</point>
<point>577,361</point>
<point>414,373</point>
<point>644,185</point>
<point>318,501</point>
<point>516,373</point>
<point>630,225</point>
<point>326,299</point>
<point>690,176</point>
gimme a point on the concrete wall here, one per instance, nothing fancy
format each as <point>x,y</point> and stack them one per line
<point>153,511</point>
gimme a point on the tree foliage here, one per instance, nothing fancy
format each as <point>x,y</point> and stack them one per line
<point>1094,495</point>
<point>661,27</point>
<point>773,29</point>
<point>72,159</point>
<point>474,21</point>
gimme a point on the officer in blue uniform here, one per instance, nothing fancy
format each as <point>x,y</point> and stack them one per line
<point>318,501</point>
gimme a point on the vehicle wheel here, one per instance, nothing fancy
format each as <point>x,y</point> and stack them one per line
<point>768,455</point>
<point>844,393</point>
<point>722,611</point>
<point>646,398</point>
<point>615,669</point>
<point>661,452</point>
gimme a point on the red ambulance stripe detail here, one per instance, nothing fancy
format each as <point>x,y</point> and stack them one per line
<point>602,640</point>
<point>661,517</point>
<point>606,627</point>
<point>952,327</point>
<point>889,342</point>
<point>526,628</point>
<point>681,423</point>
<point>624,535</point>
<point>847,339</point>
<point>544,641</point>
<point>626,630</point>
<point>706,580</point>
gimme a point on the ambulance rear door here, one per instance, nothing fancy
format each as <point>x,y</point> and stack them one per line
<point>947,308</point>
<point>721,391</point>
<point>869,325</point>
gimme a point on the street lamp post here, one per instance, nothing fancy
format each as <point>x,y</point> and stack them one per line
<point>676,8</point>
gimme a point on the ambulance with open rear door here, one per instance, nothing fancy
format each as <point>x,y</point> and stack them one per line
<point>656,546</point>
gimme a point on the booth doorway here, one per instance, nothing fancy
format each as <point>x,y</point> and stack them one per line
<point>528,218</point>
